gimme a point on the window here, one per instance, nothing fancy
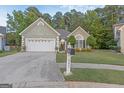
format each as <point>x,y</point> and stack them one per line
<point>79,41</point>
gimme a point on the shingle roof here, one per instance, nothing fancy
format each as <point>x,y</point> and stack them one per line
<point>63,33</point>
<point>2,30</point>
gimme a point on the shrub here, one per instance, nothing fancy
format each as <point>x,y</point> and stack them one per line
<point>86,49</point>
<point>91,41</point>
<point>112,47</point>
<point>18,48</point>
<point>83,49</point>
<point>118,49</point>
<point>1,51</point>
<point>78,49</point>
<point>89,49</point>
<point>71,40</point>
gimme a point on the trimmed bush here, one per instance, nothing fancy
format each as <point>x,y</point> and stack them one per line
<point>83,49</point>
<point>78,49</point>
<point>89,49</point>
<point>71,40</point>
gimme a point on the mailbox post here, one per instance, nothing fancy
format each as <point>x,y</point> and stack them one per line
<point>68,63</point>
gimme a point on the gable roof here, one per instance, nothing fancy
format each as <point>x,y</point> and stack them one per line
<point>77,29</point>
<point>2,30</point>
<point>39,19</point>
<point>63,33</point>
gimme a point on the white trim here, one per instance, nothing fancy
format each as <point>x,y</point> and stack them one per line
<point>82,38</point>
<point>40,23</point>
<point>50,26</point>
<point>28,27</point>
<point>39,50</point>
<point>35,22</point>
<point>76,30</point>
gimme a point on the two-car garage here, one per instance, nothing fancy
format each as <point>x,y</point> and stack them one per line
<point>40,44</point>
<point>39,37</point>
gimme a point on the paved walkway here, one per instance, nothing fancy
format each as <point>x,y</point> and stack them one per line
<point>93,66</point>
<point>92,85</point>
<point>67,85</point>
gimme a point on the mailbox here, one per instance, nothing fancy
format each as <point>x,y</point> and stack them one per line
<point>72,52</point>
<point>69,50</point>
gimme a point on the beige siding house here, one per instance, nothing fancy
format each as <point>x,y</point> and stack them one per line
<point>119,35</point>
<point>81,37</point>
<point>40,36</point>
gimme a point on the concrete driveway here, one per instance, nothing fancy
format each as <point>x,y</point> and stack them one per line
<point>29,66</point>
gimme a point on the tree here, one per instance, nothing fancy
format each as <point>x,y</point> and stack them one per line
<point>97,22</point>
<point>58,21</point>
<point>71,40</point>
<point>11,38</point>
<point>47,17</point>
<point>106,39</point>
<point>73,19</point>
<point>92,23</point>
<point>19,20</point>
<point>91,41</point>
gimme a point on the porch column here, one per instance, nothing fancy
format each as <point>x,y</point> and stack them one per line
<point>22,44</point>
<point>57,43</point>
<point>85,43</point>
<point>65,45</point>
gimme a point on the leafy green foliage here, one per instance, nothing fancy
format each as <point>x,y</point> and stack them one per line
<point>58,20</point>
<point>19,20</point>
<point>11,38</point>
<point>47,17</point>
<point>72,40</point>
<point>91,41</point>
<point>97,22</point>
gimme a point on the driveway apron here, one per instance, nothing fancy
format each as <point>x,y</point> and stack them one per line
<point>29,67</point>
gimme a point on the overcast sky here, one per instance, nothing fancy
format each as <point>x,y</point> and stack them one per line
<point>51,9</point>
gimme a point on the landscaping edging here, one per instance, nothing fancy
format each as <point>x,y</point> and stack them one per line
<point>93,66</point>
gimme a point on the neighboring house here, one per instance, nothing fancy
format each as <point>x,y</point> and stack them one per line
<point>119,34</point>
<point>40,36</point>
<point>2,37</point>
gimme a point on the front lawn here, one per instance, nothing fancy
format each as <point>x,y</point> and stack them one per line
<point>5,53</point>
<point>96,75</point>
<point>96,56</point>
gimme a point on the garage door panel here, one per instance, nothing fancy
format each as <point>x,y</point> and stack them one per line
<point>39,44</point>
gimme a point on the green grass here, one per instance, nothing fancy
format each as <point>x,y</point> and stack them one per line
<point>96,56</point>
<point>96,75</point>
<point>5,53</point>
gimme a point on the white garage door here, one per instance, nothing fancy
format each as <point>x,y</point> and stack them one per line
<point>40,44</point>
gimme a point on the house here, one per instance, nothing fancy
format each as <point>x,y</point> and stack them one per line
<point>119,35</point>
<point>2,37</point>
<point>40,36</point>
